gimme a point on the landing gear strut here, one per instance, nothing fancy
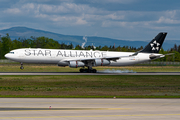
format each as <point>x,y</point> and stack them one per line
<point>21,66</point>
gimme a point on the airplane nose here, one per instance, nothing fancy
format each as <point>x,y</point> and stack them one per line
<point>6,55</point>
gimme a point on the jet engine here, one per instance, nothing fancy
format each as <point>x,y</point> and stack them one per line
<point>75,64</point>
<point>101,62</point>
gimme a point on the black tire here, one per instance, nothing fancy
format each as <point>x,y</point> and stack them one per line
<point>89,71</point>
<point>81,70</point>
<point>94,70</point>
<point>21,68</point>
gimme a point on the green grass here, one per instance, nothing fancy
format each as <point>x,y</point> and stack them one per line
<point>55,68</point>
<point>90,86</point>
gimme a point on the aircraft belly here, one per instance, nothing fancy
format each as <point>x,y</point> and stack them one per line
<point>37,60</point>
<point>127,61</point>
<point>121,63</point>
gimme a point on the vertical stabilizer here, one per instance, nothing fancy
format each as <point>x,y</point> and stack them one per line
<point>155,45</point>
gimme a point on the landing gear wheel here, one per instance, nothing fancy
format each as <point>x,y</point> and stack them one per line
<point>21,67</point>
<point>89,71</point>
<point>94,70</point>
<point>81,70</point>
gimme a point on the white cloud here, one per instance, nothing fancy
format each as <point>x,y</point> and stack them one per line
<point>114,16</point>
<point>113,1</point>
<point>162,19</point>
<point>63,8</point>
<point>123,24</point>
<point>72,15</point>
<point>81,14</point>
<point>172,14</point>
<point>28,6</point>
<point>13,11</point>
<point>80,21</point>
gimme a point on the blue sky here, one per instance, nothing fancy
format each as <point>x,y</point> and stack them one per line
<point>119,19</point>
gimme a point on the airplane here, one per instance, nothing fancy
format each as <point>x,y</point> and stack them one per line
<point>88,58</point>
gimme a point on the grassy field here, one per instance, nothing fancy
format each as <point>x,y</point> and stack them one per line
<point>55,68</point>
<point>90,86</point>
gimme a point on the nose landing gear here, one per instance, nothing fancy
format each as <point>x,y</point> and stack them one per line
<point>21,66</point>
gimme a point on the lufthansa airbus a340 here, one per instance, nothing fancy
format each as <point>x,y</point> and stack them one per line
<point>87,58</point>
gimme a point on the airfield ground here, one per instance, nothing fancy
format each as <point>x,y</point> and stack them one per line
<point>90,86</point>
<point>55,68</point>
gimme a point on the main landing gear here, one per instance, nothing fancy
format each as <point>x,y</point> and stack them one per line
<point>21,66</point>
<point>89,70</point>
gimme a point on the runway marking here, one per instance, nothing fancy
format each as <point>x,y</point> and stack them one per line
<point>92,116</point>
<point>93,103</point>
<point>55,109</point>
<point>77,73</point>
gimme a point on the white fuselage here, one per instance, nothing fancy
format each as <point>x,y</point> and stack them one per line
<point>61,56</point>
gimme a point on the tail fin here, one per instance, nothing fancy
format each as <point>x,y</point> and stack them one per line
<point>155,45</point>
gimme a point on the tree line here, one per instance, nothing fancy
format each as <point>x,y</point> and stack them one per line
<point>6,45</point>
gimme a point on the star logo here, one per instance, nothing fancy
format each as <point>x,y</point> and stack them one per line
<point>155,45</point>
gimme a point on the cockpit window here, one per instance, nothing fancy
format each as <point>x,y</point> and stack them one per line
<point>11,52</point>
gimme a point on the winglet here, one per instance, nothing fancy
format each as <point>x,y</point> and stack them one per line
<point>155,45</point>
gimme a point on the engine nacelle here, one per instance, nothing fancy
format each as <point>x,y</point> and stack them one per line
<point>62,64</point>
<point>101,62</point>
<point>75,64</point>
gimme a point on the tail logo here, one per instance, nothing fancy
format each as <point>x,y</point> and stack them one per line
<point>155,45</point>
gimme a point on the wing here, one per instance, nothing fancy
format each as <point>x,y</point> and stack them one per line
<point>114,58</point>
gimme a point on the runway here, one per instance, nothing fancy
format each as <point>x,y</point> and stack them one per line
<point>98,73</point>
<point>80,109</point>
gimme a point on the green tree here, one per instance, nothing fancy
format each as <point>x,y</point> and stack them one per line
<point>78,47</point>
<point>6,45</point>
<point>105,48</point>
<point>16,44</point>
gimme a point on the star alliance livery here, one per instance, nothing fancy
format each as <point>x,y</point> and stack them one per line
<point>87,58</point>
